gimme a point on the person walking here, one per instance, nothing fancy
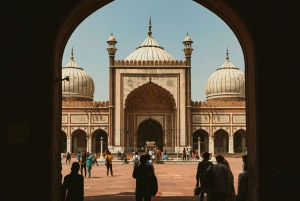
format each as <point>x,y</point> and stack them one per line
<point>89,161</point>
<point>119,154</point>
<point>202,167</point>
<point>150,152</point>
<point>78,157</point>
<point>73,185</point>
<point>95,159</point>
<point>141,174</point>
<point>187,154</point>
<point>109,164</point>
<point>158,155</point>
<point>83,163</point>
<point>68,157</point>
<point>222,186</point>
<point>136,160</point>
<point>183,155</point>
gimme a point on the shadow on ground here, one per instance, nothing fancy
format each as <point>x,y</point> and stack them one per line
<point>130,196</point>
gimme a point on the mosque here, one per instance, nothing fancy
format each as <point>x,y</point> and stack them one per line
<point>150,101</point>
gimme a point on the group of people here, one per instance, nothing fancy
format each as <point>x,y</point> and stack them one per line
<point>221,188</point>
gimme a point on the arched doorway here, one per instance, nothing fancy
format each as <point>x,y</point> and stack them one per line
<point>203,140</point>
<point>239,141</point>
<point>150,130</point>
<point>63,142</point>
<point>221,141</point>
<point>96,144</point>
<point>79,141</point>
<point>221,8</point>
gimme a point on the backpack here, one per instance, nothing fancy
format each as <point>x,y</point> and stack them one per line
<point>136,161</point>
<point>208,178</point>
<point>152,187</point>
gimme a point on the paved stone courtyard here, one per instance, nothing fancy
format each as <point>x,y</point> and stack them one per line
<point>175,181</point>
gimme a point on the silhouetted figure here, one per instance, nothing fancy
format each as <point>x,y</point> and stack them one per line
<point>141,174</point>
<point>245,161</point>
<point>243,184</point>
<point>73,184</point>
<point>68,157</point>
<point>83,163</point>
<point>202,167</point>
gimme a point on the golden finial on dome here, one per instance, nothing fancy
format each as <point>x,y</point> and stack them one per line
<point>150,32</point>
<point>227,57</point>
<point>72,53</point>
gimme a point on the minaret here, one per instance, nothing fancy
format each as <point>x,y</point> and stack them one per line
<point>111,49</point>
<point>112,86</point>
<point>188,52</point>
<point>188,49</point>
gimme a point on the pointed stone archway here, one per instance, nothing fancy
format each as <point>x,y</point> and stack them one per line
<point>221,141</point>
<point>239,141</point>
<point>150,130</point>
<point>79,143</point>
<point>96,145</point>
<point>145,101</point>
<point>203,140</point>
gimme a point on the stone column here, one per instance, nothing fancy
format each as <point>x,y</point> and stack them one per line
<point>101,148</point>
<point>69,144</point>
<point>199,150</point>
<point>90,145</point>
<point>75,145</point>
<point>211,146</point>
<point>230,145</point>
<point>243,145</point>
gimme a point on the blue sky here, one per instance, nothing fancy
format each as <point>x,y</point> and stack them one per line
<point>171,19</point>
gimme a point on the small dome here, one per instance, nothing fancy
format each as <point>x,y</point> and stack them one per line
<point>187,38</point>
<point>227,83</point>
<point>111,38</point>
<point>149,50</point>
<point>80,86</point>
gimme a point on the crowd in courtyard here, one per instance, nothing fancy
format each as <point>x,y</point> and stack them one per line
<point>218,187</point>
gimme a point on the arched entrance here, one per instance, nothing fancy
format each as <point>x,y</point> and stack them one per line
<point>224,10</point>
<point>150,130</point>
<point>221,141</point>
<point>203,140</point>
<point>63,142</point>
<point>79,141</point>
<point>96,144</point>
<point>239,141</point>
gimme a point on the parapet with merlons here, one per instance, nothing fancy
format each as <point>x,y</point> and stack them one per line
<point>149,63</point>
<point>90,104</point>
<point>212,104</point>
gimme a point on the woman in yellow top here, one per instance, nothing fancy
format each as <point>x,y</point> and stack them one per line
<point>108,163</point>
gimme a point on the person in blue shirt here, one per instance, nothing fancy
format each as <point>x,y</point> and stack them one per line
<point>89,161</point>
<point>78,157</point>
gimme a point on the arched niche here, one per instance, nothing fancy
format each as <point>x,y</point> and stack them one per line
<point>239,141</point>
<point>79,142</point>
<point>221,141</point>
<point>150,130</point>
<point>96,144</point>
<point>203,140</point>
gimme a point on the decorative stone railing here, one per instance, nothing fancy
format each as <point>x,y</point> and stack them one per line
<point>149,63</point>
<point>94,104</point>
<point>211,104</point>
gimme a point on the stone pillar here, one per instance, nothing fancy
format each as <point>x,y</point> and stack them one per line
<point>224,149</point>
<point>243,145</point>
<point>69,144</point>
<point>75,145</point>
<point>230,145</point>
<point>90,145</point>
<point>211,146</point>
<point>101,148</point>
<point>199,150</point>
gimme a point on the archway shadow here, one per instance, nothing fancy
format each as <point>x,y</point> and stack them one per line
<point>130,196</point>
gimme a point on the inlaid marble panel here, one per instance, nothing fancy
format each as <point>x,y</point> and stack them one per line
<point>203,118</point>
<point>79,119</point>
<point>100,119</point>
<point>220,118</point>
<point>64,118</point>
<point>239,119</point>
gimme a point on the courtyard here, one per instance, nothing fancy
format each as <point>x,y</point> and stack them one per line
<point>175,181</point>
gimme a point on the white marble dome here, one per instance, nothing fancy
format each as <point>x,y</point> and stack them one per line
<point>149,50</point>
<point>80,85</point>
<point>228,82</point>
